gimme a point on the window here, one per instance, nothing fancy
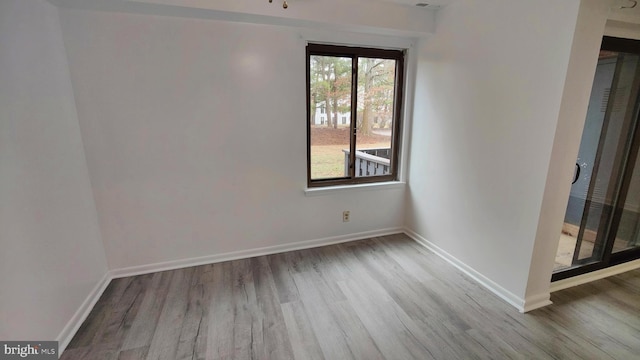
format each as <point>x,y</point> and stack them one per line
<point>363,85</point>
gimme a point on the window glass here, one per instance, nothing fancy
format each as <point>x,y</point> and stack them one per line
<point>363,88</point>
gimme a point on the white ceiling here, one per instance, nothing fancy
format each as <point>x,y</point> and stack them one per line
<point>414,2</point>
<point>620,13</point>
<point>621,10</point>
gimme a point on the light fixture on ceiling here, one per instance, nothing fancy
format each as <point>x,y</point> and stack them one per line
<point>632,4</point>
<point>284,4</point>
<point>428,6</point>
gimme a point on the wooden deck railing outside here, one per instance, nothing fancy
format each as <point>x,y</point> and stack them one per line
<point>369,162</point>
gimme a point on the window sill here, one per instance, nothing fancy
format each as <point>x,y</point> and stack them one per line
<point>328,190</point>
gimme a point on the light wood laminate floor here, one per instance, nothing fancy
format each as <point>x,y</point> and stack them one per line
<point>382,298</point>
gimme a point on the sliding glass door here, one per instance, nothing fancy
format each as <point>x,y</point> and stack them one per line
<point>602,221</point>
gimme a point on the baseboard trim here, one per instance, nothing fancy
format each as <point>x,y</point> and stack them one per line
<point>243,254</point>
<point>489,284</point>
<point>67,333</point>
<point>594,275</point>
<point>536,301</point>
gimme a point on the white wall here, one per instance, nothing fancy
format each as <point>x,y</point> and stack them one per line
<point>488,91</point>
<point>589,30</point>
<point>195,139</point>
<point>51,256</point>
<point>195,136</point>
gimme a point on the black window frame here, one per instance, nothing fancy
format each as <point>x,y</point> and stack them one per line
<point>354,52</point>
<point>608,258</point>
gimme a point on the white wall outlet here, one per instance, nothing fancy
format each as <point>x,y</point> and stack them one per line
<point>345,216</point>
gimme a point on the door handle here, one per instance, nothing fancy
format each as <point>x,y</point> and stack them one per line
<point>577,176</point>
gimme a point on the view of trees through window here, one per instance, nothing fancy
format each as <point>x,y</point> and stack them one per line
<point>331,100</point>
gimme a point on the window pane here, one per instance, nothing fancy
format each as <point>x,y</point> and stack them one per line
<point>591,134</point>
<point>605,178</point>
<point>376,87</point>
<point>330,89</point>
<point>351,125</point>
<point>628,234</point>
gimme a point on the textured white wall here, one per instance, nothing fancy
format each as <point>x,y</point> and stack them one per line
<point>488,92</point>
<point>51,255</point>
<point>195,136</point>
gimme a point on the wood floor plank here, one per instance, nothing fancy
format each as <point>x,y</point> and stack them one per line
<point>382,317</point>
<point>411,268</point>
<point>282,277</point>
<point>247,328</point>
<point>333,343</point>
<point>94,352</point>
<point>163,345</point>
<point>192,343</point>
<point>424,307</point>
<point>96,321</point>
<point>315,270</point>
<point>144,325</point>
<point>273,330</point>
<point>406,291</point>
<point>361,344</point>
<point>383,298</point>
<point>220,322</point>
<point>304,342</point>
<point>450,291</point>
<point>135,354</point>
<point>125,310</point>
<point>340,329</point>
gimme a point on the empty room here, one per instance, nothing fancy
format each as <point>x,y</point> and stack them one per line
<point>319,179</point>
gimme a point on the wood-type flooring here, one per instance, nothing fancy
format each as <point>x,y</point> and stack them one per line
<point>381,298</point>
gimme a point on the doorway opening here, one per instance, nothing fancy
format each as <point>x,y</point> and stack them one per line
<point>602,222</point>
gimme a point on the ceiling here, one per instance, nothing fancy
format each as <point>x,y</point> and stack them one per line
<point>621,11</point>
<point>435,3</point>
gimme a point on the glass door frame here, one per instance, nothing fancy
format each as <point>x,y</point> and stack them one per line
<point>630,149</point>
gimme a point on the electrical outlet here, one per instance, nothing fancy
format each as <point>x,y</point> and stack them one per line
<point>345,216</point>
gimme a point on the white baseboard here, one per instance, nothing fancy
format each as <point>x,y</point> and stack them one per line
<point>501,292</point>
<point>536,302</point>
<point>243,254</point>
<point>594,275</point>
<point>67,333</point>
<point>65,336</point>
<point>531,303</point>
